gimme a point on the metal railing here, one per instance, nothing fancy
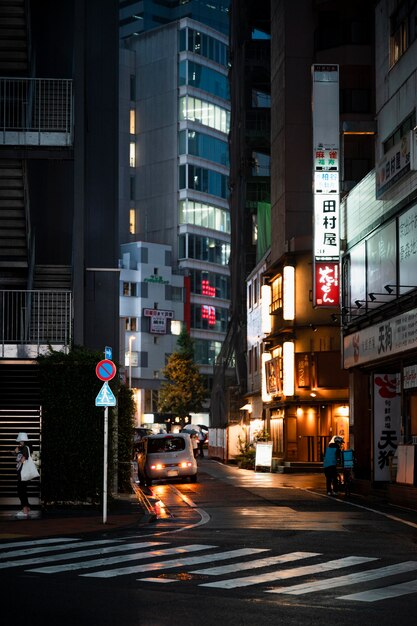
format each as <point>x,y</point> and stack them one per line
<point>35,317</point>
<point>36,111</point>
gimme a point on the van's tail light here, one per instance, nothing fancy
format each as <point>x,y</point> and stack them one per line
<point>158,466</point>
<point>185,464</point>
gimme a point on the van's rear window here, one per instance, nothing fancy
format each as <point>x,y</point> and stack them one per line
<point>166,444</point>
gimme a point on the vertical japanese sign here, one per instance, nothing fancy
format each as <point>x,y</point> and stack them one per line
<point>387,423</point>
<point>326,247</point>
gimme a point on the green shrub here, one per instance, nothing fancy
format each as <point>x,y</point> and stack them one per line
<point>72,440</point>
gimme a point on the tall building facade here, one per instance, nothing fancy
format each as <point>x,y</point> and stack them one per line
<point>174,160</point>
<point>59,277</point>
<point>379,218</point>
<point>299,374</point>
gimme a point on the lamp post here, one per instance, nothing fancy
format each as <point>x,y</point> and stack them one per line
<point>131,340</point>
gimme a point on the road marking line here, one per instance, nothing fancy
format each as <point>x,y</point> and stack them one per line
<point>360,506</point>
<point>289,573</point>
<point>22,544</point>
<point>349,579</point>
<point>383,593</point>
<point>64,546</point>
<point>117,559</point>
<point>80,553</point>
<point>267,562</point>
<point>176,562</point>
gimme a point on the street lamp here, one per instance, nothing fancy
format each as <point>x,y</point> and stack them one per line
<point>131,340</point>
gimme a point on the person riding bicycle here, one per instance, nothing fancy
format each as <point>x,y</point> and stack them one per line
<point>332,458</point>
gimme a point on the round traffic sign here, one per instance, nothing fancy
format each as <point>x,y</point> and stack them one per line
<point>105,369</point>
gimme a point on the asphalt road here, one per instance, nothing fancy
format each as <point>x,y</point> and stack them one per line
<point>237,548</point>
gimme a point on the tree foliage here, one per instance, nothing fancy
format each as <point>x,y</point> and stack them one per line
<point>183,392</point>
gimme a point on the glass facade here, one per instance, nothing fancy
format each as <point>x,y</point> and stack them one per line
<point>210,284</point>
<point>203,249</point>
<point>203,146</point>
<point>206,215</point>
<point>204,45</point>
<point>204,78</point>
<point>202,179</point>
<point>203,112</point>
<point>209,317</point>
<point>206,352</point>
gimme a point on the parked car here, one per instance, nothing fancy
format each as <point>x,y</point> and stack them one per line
<point>165,456</point>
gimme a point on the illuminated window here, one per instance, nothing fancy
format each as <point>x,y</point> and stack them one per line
<point>132,121</point>
<point>403,29</point>
<point>132,154</point>
<point>132,221</point>
<point>131,323</point>
<point>276,294</point>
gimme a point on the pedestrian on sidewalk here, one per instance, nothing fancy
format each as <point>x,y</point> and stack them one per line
<point>201,440</point>
<point>22,453</point>
<point>332,458</point>
<point>194,441</point>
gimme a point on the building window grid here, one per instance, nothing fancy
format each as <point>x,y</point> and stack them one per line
<point>276,294</point>
<point>206,215</point>
<point>204,45</point>
<point>403,30</point>
<point>205,113</point>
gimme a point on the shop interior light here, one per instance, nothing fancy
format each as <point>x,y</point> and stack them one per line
<point>288,368</point>
<point>288,310</point>
<point>266,303</point>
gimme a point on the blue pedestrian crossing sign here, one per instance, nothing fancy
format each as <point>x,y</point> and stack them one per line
<point>105,397</point>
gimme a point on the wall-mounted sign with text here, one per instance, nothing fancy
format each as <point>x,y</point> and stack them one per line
<point>158,320</point>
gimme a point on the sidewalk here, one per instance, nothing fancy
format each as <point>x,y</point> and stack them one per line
<point>126,510</point>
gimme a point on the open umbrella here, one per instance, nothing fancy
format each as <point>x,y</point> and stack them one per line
<point>203,427</point>
<point>191,429</point>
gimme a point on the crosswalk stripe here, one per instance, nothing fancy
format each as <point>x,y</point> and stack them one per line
<point>138,569</point>
<point>289,573</point>
<point>34,542</point>
<point>267,562</point>
<point>79,553</point>
<point>383,593</point>
<point>117,559</point>
<point>64,546</point>
<point>348,579</point>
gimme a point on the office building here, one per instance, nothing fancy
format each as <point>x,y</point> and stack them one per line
<point>174,160</point>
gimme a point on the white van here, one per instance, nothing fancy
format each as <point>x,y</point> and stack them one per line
<point>165,456</point>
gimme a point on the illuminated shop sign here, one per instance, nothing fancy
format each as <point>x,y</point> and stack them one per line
<point>326,182</point>
<point>326,160</point>
<point>207,289</point>
<point>326,226</point>
<point>327,283</point>
<point>208,313</point>
<point>326,246</point>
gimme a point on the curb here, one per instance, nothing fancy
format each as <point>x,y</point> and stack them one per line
<point>150,515</point>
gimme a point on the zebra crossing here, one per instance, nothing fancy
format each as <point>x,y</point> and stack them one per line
<point>211,567</point>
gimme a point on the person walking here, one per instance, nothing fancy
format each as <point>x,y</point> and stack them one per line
<point>194,440</point>
<point>332,458</point>
<point>22,453</point>
<point>201,440</point>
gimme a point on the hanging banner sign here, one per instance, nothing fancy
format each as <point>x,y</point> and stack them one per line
<point>387,423</point>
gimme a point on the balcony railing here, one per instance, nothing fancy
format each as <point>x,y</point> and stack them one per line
<point>36,111</point>
<point>30,321</point>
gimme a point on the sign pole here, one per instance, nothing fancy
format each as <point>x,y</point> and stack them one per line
<point>106,424</point>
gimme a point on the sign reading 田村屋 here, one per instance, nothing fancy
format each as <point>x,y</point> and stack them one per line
<point>326,245</point>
